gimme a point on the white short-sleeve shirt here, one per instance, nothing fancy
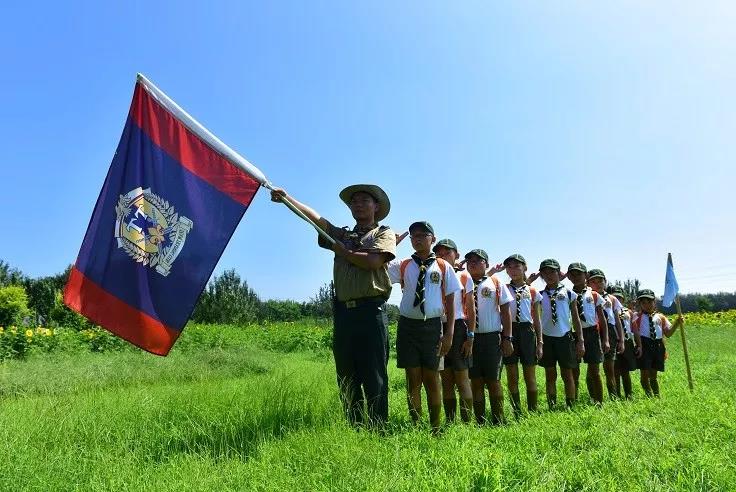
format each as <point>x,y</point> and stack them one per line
<point>466,283</point>
<point>612,307</point>
<point>660,321</point>
<point>528,299</point>
<point>489,315</point>
<point>562,297</point>
<point>625,317</point>
<point>591,301</point>
<point>433,296</point>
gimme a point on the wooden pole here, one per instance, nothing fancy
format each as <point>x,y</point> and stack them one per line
<point>684,345</point>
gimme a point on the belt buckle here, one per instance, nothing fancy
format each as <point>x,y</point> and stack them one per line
<point>350,304</point>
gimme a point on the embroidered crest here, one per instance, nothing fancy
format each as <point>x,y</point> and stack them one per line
<point>589,300</point>
<point>149,230</point>
<point>485,292</point>
<point>561,297</point>
<point>526,295</point>
<point>434,277</point>
<point>607,304</point>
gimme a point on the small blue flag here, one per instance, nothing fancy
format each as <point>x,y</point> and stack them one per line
<point>671,289</point>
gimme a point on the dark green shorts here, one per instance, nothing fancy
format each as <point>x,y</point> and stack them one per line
<point>454,359</point>
<point>559,350</point>
<point>525,345</point>
<point>627,362</point>
<point>593,349</point>
<point>613,342</point>
<point>487,357</point>
<point>652,354</point>
<point>417,343</point>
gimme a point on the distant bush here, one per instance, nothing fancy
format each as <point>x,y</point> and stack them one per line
<point>275,310</point>
<point>13,305</point>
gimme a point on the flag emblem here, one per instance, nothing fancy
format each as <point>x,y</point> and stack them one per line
<point>149,230</point>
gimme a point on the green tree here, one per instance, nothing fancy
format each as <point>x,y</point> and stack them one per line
<point>9,275</point>
<point>227,299</point>
<point>320,306</point>
<point>630,287</point>
<point>704,303</point>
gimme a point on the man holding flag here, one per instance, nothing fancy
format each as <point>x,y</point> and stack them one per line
<point>172,199</point>
<point>362,287</point>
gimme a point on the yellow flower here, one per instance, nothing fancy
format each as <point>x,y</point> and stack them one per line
<point>29,333</point>
<point>2,329</point>
<point>49,332</point>
<point>13,330</point>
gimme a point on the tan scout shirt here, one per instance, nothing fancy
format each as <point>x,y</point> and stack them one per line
<point>353,282</point>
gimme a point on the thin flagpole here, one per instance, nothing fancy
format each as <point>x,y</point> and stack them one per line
<point>220,147</point>
<point>298,212</point>
<point>684,345</point>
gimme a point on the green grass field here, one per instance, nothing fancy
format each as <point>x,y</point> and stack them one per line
<point>236,416</point>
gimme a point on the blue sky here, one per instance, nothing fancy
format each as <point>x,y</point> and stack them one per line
<point>599,132</point>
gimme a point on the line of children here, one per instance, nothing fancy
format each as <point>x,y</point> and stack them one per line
<point>480,325</point>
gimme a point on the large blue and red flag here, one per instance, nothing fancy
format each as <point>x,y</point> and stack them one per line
<point>171,200</point>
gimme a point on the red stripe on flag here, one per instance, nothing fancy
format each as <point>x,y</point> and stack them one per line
<point>89,299</point>
<point>188,149</point>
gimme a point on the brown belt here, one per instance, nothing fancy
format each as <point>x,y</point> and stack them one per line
<point>353,303</point>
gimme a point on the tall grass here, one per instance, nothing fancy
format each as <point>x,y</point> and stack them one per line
<point>231,415</point>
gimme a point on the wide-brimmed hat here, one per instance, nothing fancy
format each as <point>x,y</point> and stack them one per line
<point>384,204</point>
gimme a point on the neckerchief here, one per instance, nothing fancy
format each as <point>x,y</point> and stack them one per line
<point>423,266</point>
